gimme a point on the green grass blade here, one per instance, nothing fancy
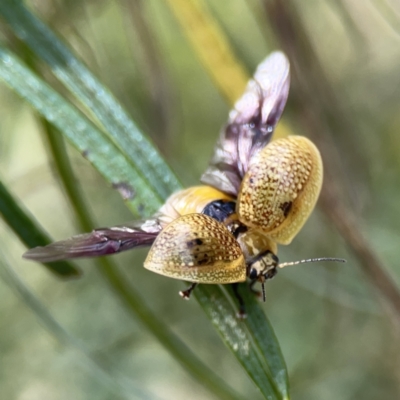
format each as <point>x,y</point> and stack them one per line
<point>119,384</point>
<point>23,226</point>
<point>237,336</point>
<point>68,179</point>
<point>93,95</point>
<point>83,134</point>
<point>264,338</point>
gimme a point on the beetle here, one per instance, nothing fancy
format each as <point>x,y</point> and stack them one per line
<point>256,194</point>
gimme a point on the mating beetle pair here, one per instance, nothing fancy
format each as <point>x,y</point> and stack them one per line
<point>256,195</point>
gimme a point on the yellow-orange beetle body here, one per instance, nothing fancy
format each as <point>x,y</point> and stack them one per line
<point>256,194</point>
<point>276,184</point>
<point>276,196</point>
<point>190,201</point>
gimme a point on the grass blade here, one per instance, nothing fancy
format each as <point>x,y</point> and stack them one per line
<point>23,226</point>
<point>237,337</point>
<point>94,96</point>
<point>83,134</point>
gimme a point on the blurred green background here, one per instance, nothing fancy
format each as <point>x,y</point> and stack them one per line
<point>338,333</point>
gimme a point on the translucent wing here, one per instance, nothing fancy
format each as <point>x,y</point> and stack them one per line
<point>99,242</point>
<point>250,124</point>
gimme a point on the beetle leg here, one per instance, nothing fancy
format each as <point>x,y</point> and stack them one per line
<point>241,314</point>
<point>253,290</point>
<point>185,294</point>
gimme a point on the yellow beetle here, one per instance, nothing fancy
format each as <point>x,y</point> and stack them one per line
<point>256,195</point>
<point>231,241</point>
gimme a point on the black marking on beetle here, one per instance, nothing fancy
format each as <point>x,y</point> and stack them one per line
<point>270,273</point>
<point>194,242</point>
<point>238,229</point>
<point>286,207</point>
<point>85,153</point>
<point>202,259</point>
<point>125,189</point>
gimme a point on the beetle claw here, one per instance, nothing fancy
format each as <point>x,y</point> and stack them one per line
<point>185,294</point>
<point>241,314</point>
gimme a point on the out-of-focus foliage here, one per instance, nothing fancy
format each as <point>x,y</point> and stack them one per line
<point>336,337</point>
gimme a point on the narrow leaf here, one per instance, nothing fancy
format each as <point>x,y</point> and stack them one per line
<point>83,134</point>
<point>120,385</point>
<point>266,341</point>
<point>236,336</point>
<point>21,223</point>
<point>94,96</point>
<point>208,38</point>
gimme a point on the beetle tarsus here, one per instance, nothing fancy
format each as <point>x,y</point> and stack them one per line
<point>185,294</point>
<point>258,293</point>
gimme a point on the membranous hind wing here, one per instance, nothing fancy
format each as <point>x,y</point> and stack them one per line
<point>250,124</point>
<point>99,242</point>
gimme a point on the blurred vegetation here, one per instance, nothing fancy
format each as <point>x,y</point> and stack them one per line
<point>337,324</point>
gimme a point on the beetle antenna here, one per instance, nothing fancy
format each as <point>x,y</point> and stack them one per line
<point>309,260</point>
<point>263,291</point>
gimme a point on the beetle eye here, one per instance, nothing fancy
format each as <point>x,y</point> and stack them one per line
<point>253,274</point>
